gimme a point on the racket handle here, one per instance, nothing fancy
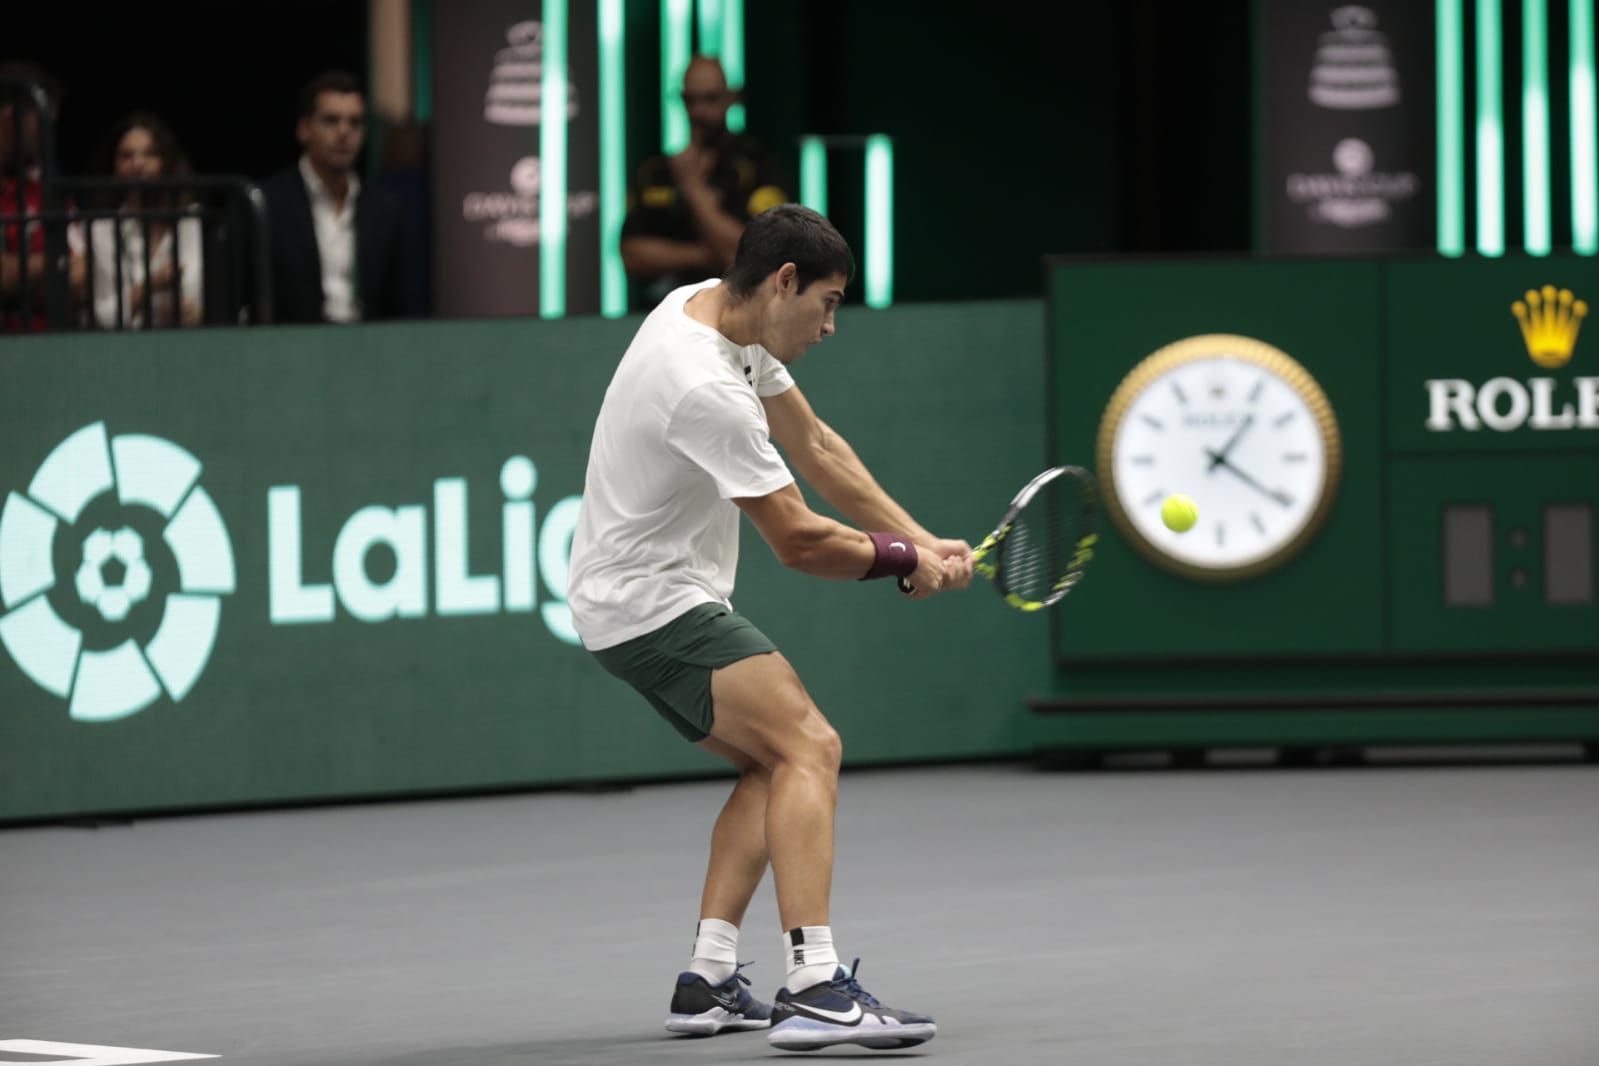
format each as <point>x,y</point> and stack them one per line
<point>905,586</point>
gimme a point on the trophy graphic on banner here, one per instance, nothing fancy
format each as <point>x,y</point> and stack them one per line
<point>1353,68</point>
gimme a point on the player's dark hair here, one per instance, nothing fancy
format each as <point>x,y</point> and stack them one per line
<point>788,233</point>
<point>329,81</point>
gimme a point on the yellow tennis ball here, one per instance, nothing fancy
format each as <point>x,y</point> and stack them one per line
<point>1179,512</point>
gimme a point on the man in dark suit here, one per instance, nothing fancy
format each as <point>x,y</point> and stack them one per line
<point>338,254</point>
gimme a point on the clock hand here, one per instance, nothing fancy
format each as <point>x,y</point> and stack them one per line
<point>1218,459</point>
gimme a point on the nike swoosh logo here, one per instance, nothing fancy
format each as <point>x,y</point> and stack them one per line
<point>897,545</point>
<point>849,1017</point>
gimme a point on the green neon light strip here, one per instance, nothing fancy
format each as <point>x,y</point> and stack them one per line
<point>613,157</point>
<point>879,221</point>
<point>733,57</point>
<point>813,174</point>
<point>710,42</point>
<point>552,164</point>
<point>1535,126</point>
<point>676,31</point>
<point>1451,130</point>
<point>1584,165</point>
<point>1490,133</point>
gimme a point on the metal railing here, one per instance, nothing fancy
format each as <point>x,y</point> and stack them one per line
<point>120,254</point>
<point>218,220</point>
<point>226,215</point>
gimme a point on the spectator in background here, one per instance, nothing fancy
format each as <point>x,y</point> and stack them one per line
<point>22,245</point>
<point>141,147</point>
<point>686,212</point>
<point>338,251</point>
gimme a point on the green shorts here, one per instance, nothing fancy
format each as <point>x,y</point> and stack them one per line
<point>671,666</point>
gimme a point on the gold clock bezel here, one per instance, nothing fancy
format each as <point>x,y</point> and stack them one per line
<point>1210,346</point>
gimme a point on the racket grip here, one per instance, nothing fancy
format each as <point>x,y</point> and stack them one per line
<point>905,586</point>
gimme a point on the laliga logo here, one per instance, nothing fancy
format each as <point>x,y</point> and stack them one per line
<point>82,515</point>
<point>1550,319</point>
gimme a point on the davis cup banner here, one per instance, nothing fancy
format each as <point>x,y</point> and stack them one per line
<point>1346,126</point>
<point>487,175</point>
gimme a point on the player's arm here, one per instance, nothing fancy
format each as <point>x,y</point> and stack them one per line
<point>815,544</point>
<point>829,465</point>
<point>718,428</point>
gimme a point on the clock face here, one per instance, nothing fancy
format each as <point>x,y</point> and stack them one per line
<point>1249,438</point>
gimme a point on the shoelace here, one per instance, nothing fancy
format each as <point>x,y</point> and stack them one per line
<point>852,988</point>
<point>744,997</point>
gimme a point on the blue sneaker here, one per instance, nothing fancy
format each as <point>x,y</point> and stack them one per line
<point>840,1011</point>
<point>704,1009</point>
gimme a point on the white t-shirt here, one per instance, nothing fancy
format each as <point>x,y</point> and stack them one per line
<point>681,433</point>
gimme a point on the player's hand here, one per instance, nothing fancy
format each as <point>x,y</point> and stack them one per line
<point>930,577</point>
<point>957,556</point>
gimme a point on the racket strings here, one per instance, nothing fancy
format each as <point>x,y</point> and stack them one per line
<point>1042,540</point>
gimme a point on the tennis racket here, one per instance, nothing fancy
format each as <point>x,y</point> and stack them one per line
<point>1043,545</point>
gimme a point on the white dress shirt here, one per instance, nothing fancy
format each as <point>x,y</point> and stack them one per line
<point>335,242</point>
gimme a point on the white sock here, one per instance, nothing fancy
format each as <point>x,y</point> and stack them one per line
<point>811,959</point>
<point>715,950</point>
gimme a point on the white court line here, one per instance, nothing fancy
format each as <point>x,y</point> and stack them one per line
<point>91,1054</point>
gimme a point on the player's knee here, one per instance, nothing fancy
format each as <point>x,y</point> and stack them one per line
<point>827,752</point>
<point>813,747</point>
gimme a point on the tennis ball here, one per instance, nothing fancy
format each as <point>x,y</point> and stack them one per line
<point>1179,512</point>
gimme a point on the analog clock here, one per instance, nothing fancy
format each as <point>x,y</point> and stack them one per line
<point>1239,426</point>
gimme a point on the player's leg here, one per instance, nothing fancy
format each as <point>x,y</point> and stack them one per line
<point>720,682</point>
<point>738,842</point>
<point>710,996</point>
<point>763,710</point>
<point>671,667</point>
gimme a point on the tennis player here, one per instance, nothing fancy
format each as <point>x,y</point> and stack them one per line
<point>682,444</point>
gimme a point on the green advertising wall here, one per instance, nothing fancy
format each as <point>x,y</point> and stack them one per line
<point>354,544</point>
<point>1359,637</point>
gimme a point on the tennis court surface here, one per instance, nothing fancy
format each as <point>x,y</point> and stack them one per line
<point>1360,917</point>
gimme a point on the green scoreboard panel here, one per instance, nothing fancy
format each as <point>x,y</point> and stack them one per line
<point>1452,571</point>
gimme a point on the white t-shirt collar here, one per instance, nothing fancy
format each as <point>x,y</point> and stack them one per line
<point>744,358</point>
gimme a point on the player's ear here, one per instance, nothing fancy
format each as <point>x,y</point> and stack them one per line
<point>787,278</point>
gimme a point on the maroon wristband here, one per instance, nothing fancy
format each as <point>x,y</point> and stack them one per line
<point>896,556</point>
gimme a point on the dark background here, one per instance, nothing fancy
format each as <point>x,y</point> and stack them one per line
<point>1018,132</point>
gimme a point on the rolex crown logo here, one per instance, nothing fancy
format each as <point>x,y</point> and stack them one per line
<point>1549,321</point>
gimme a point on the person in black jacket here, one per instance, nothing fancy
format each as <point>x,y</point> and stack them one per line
<point>338,254</point>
